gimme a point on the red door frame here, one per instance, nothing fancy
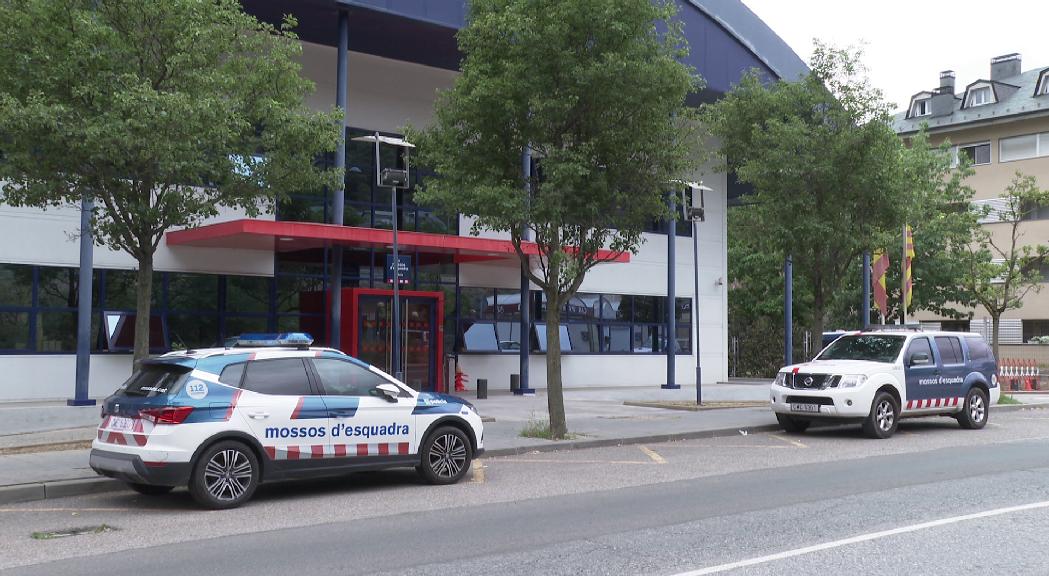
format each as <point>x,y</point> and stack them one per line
<point>351,333</point>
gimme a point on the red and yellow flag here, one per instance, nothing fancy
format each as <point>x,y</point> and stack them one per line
<point>879,270</point>
<point>908,284</point>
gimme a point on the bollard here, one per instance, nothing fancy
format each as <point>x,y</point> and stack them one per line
<point>482,389</point>
<point>515,382</point>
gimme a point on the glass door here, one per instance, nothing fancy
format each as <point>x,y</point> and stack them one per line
<point>418,337</point>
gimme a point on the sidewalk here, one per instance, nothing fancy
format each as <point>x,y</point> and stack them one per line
<point>596,417</point>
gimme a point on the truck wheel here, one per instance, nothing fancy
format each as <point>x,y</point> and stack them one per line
<point>792,424</point>
<point>883,418</point>
<point>974,410</point>
<point>225,475</point>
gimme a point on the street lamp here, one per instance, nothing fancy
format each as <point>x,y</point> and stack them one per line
<point>693,208</point>
<point>394,179</point>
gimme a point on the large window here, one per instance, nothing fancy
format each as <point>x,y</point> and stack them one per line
<point>977,154</point>
<point>1023,147</point>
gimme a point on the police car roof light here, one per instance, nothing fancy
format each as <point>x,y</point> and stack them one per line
<point>263,339</point>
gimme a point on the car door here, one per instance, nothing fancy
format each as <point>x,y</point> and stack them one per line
<point>953,370</point>
<point>921,372</point>
<point>283,411</point>
<point>363,423</point>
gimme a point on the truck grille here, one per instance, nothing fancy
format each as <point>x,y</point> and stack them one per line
<point>812,381</point>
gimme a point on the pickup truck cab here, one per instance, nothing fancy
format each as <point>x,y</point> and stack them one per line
<point>876,378</point>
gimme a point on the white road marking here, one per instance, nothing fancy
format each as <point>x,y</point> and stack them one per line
<point>557,461</point>
<point>864,538</point>
<point>790,441</point>
<point>653,455</point>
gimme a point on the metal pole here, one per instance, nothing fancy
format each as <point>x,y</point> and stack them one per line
<point>526,300</point>
<point>398,373</point>
<point>695,309</point>
<point>788,312</point>
<point>903,279</point>
<point>671,281</point>
<point>866,307</point>
<point>339,196</point>
<point>83,330</point>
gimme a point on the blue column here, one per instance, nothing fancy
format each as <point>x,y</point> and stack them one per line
<point>526,299</point>
<point>83,316</point>
<point>866,305</point>
<point>339,196</point>
<point>788,312</point>
<point>671,294</point>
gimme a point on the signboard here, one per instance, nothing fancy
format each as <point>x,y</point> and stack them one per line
<point>404,272</point>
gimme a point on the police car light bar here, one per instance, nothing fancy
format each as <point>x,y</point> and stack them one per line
<point>262,339</point>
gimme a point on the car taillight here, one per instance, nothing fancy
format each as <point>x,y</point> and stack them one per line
<point>166,414</point>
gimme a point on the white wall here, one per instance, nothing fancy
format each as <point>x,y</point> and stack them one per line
<point>52,376</point>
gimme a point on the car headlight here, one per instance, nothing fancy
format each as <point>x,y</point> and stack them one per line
<point>852,381</point>
<point>781,377</point>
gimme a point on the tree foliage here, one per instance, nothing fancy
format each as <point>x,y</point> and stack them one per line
<point>596,89</point>
<point>161,111</point>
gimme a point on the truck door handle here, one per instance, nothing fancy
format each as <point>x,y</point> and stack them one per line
<point>342,413</point>
<point>259,415</point>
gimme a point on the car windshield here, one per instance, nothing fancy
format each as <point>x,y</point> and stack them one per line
<point>873,347</point>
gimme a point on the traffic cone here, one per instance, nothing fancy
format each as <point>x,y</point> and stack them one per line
<point>460,379</point>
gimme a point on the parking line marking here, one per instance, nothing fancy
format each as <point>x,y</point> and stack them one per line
<point>790,441</point>
<point>478,472</point>
<point>733,446</point>
<point>863,538</point>
<point>556,461</point>
<point>653,455</point>
<point>76,509</point>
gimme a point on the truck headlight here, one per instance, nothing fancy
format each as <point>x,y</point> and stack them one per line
<point>781,377</point>
<point>852,381</point>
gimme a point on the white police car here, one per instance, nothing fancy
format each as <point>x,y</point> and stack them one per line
<point>878,377</point>
<point>223,420</point>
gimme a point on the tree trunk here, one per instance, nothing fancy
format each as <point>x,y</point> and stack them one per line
<point>995,325</point>
<point>555,401</point>
<point>143,302</point>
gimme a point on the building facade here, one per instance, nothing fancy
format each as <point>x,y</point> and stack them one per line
<point>1001,124</point>
<point>462,300</point>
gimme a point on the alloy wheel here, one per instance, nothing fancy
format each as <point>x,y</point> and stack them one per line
<point>227,475</point>
<point>447,455</point>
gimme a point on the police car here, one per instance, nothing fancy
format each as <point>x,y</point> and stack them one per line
<point>878,377</point>
<point>222,420</point>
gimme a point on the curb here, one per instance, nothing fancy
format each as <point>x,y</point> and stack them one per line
<point>57,489</point>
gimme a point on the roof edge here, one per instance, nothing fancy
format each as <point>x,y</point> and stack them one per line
<point>777,67</point>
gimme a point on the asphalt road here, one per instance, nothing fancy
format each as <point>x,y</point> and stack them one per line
<point>935,499</point>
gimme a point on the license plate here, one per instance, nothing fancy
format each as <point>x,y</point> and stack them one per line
<point>121,424</point>
<point>805,407</point>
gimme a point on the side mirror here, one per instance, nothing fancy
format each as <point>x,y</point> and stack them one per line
<point>389,391</point>
<point>920,359</point>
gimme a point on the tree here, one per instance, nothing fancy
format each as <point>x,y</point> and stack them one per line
<point>160,111</point>
<point>824,162</point>
<point>596,89</point>
<point>1001,268</point>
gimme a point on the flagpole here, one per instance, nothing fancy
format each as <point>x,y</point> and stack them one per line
<point>903,278</point>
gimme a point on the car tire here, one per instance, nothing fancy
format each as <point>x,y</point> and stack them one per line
<point>793,425</point>
<point>884,417</point>
<point>445,456</point>
<point>225,475</point>
<point>149,489</point>
<point>974,410</point>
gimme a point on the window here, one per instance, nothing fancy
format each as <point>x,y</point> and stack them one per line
<point>156,380</point>
<point>284,376</point>
<point>1022,147</point>
<point>978,348</point>
<point>950,350</point>
<point>920,107</point>
<point>980,96</point>
<point>342,378</point>
<point>1043,84</point>
<point>231,374</point>
<point>977,154</point>
<point>876,348</point>
<point>919,346</point>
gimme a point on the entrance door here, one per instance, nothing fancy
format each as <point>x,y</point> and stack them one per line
<point>418,336</point>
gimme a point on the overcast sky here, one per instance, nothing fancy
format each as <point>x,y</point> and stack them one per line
<point>908,43</point>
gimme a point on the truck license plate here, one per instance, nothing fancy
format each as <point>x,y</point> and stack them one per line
<point>805,407</point>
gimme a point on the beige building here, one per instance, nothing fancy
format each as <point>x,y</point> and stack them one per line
<point>1001,123</point>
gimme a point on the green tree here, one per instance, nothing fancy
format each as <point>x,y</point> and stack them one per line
<point>597,90</point>
<point>1001,267</point>
<point>824,162</point>
<point>160,111</point>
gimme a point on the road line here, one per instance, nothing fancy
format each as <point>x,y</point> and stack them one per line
<point>478,472</point>
<point>653,455</point>
<point>733,446</point>
<point>555,461</point>
<point>79,509</point>
<point>864,538</point>
<point>790,441</point>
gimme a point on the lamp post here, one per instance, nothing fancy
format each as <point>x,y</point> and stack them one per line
<point>395,179</point>
<point>694,210</point>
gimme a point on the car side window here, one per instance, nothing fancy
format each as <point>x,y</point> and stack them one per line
<point>978,349</point>
<point>950,349</point>
<point>284,376</point>
<point>341,378</point>
<point>919,346</point>
<point>231,374</point>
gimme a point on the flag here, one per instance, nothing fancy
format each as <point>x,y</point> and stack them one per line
<point>879,270</point>
<point>908,283</point>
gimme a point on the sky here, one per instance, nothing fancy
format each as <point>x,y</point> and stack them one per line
<point>906,44</point>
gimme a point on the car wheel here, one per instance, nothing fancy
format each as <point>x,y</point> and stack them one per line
<point>792,424</point>
<point>149,489</point>
<point>974,410</point>
<point>225,475</point>
<point>883,418</point>
<point>446,456</point>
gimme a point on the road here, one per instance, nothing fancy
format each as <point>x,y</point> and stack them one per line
<point>935,499</point>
